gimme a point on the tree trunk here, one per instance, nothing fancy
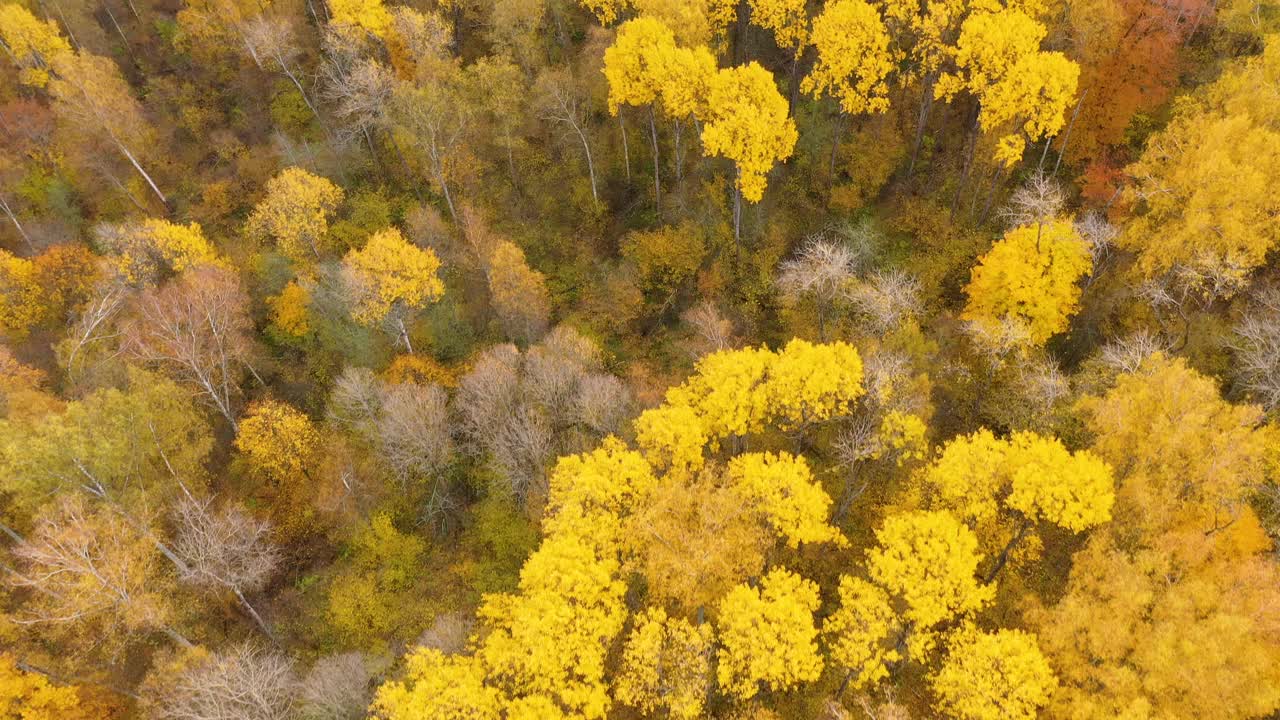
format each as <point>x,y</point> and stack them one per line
<point>14,219</point>
<point>1003,558</point>
<point>262,625</point>
<point>404,335</point>
<point>591,165</point>
<point>626,153</point>
<point>137,166</point>
<point>926,103</point>
<point>657,183</point>
<point>1066,136</point>
<point>835,144</point>
<point>177,637</point>
<point>737,214</point>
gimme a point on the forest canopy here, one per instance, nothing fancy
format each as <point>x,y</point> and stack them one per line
<point>620,359</point>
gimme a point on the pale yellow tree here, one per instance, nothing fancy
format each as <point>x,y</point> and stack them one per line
<point>295,213</point>
<point>31,43</point>
<point>748,123</point>
<point>389,278</point>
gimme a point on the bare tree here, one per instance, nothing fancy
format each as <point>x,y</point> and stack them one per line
<point>1257,348</point>
<point>197,328</point>
<point>603,403</point>
<point>818,273</point>
<point>523,409</point>
<point>885,300</point>
<point>712,329</point>
<point>240,683</point>
<point>1099,233</point>
<point>559,99</point>
<point>413,430</point>
<point>94,573</point>
<point>273,38</point>
<point>356,400</point>
<point>93,324</point>
<point>336,688</point>
<point>1040,199</point>
<point>224,548</point>
<point>359,91</point>
<point>1126,355</point>
<point>448,633</point>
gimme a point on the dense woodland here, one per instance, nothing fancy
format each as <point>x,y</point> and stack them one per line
<point>525,359</point>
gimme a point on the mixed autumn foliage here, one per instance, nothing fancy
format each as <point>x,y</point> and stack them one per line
<point>529,359</point>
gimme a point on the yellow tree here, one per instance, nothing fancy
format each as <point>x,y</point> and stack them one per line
<point>992,676</point>
<point>748,123</point>
<point>862,634</point>
<point>1170,612</point>
<point>666,664</point>
<point>295,213</point>
<point>280,444</point>
<point>854,57</point>
<point>1021,91</point>
<point>518,293</point>
<point>1028,280</point>
<point>30,696</point>
<point>784,491</point>
<point>369,16</point>
<point>438,686</point>
<point>767,635</point>
<point>390,278</point>
<point>634,68</point>
<point>1004,487</point>
<point>93,100</point>
<point>1226,136</point>
<point>788,20</point>
<point>927,562</point>
<point>31,43</point>
<point>148,251</point>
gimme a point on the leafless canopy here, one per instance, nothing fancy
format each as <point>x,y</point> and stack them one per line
<point>336,688</point>
<point>1257,347</point>
<point>1040,199</point>
<point>241,683</point>
<point>222,546</point>
<point>521,409</point>
<point>197,328</point>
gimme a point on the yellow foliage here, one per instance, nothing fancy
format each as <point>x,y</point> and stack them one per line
<point>990,44</point>
<point>1036,476</point>
<point>633,63</point>
<point>1203,190</point>
<point>278,440</point>
<point>993,676</point>
<point>854,57</point>
<point>1030,102</point>
<point>862,633</point>
<point>30,696</point>
<point>785,493</point>
<point>369,15</point>
<point>930,560</point>
<point>1029,279</point>
<point>696,540</point>
<point>32,44</point>
<point>438,686</point>
<point>606,11</point>
<point>147,251</point>
<point>22,298</point>
<point>739,392</point>
<point>747,123</point>
<point>518,293</point>
<point>767,635</point>
<point>666,663</point>
<point>389,273</point>
<point>289,310</point>
<point>672,438</point>
<point>901,435</point>
<point>295,213</point>
<point>788,20</point>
